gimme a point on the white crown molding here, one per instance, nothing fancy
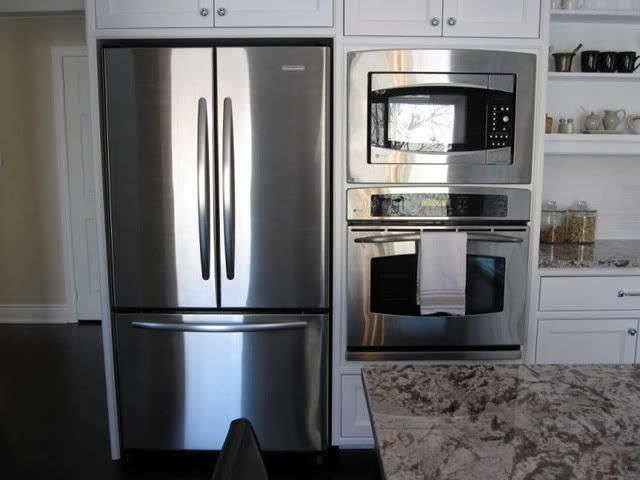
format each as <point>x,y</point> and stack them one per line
<point>38,313</point>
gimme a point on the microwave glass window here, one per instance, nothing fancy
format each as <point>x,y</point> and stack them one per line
<point>424,124</point>
<point>430,120</point>
<point>394,284</point>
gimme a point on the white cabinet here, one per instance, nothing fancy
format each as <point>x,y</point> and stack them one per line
<point>491,18</point>
<point>589,293</point>
<point>204,13</point>
<point>355,421</point>
<point>400,17</point>
<point>452,18</point>
<point>154,13</point>
<point>274,13</point>
<point>587,341</point>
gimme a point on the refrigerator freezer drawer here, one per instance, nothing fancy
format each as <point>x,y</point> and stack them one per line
<point>184,378</point>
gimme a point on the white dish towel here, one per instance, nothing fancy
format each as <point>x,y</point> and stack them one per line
<point>442,272</point>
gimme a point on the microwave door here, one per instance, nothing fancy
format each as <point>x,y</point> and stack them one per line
<point>434,124</point>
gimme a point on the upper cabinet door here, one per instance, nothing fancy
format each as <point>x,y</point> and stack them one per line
<point>491,18</point>
<point>274,13</point>
<point>401,17</point>
<point>154,13</point>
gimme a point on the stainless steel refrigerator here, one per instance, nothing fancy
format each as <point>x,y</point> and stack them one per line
<point>217,164</point>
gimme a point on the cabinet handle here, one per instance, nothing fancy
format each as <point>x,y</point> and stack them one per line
<point>435,21</point>
<point>222,11</point>
<point>204,12</point>
<point>632,332</point>
<point>452,21</point>
<point>622,293</point>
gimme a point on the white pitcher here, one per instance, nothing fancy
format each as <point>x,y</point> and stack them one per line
<point>612,118</point>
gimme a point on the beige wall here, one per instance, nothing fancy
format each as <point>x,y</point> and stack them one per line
<point>31,263</point>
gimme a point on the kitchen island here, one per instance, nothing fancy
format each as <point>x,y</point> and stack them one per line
<point>498,422</point>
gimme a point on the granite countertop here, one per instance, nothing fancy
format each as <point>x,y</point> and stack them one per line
<point>494,422</point>
<point>602,254</point>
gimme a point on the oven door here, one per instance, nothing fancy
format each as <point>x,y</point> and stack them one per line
<point>384,320</point>
<point>440,118</point>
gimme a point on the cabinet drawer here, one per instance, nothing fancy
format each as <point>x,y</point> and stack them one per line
<point>587,341</point>
<point>589,293</point>
<point>355,413</point>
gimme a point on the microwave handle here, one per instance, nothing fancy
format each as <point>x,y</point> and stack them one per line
<point>415,237</point>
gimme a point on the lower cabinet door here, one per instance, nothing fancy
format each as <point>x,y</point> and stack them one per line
<point>587,341</point>
<point>355,422</point>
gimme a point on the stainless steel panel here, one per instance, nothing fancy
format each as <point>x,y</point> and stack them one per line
<point>152,98</point>
<point>359,202</point>
<point>369,329</point>
<point>179,390</point>
<point>386,356</point>
<point>381,155</point>
<point>523,65</point>
<point>387,81</point>
<point>280,98</point>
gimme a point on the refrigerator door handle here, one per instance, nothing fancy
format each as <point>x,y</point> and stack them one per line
<point>204,213</point>
<point>220,327</point>
<point>228,188</point>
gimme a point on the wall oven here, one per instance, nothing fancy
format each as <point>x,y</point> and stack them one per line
<point>440,116</point>
<point>383,318</point>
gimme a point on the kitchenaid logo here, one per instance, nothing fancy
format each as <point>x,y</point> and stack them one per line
<point>293,68</point>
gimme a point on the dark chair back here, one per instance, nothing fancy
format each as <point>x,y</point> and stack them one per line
<point>241,456</point>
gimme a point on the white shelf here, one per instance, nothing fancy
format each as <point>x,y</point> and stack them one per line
<point>595,16</point>
<point>588,144</point>
<point>594,77</point>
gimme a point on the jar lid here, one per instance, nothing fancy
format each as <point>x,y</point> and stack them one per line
<point>551,207</point>
<point>583,208</point>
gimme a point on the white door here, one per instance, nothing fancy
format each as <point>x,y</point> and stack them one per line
<point>154,13</point>
<point>274,13</point>
<point>491,18</point>
<point>75,76</point>
<point>355,420</point>
<point>587,341</point>
<point>401,17</point>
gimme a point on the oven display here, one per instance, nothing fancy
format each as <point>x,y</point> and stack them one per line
<point>438,205</point>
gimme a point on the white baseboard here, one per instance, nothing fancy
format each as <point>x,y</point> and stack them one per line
<point>12,313</point>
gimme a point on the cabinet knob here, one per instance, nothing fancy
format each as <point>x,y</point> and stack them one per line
<point>222,11</point>
<point>204,12</point>
<point>452,21</point>
<point>632,332</point>
<point>435,21</point>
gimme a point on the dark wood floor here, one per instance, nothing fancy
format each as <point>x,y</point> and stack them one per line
<point>53,422</point>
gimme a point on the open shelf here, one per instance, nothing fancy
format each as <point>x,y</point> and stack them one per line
<point>594,77</point>
<point>591,144</point>
<point>595,16</point>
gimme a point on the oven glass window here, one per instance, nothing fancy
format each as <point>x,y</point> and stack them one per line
<point>429,119</point>
<point>394,282</point>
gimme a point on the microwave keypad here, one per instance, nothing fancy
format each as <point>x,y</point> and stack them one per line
<point>500,122</point>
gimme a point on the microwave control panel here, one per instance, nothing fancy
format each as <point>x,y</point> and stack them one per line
<point>500,126</point>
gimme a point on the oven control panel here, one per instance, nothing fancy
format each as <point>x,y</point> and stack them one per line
<point>499,131</point>
<point>452,205</point>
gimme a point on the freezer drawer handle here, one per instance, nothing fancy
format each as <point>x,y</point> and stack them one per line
<point>203,189</point>
<point>220,328</point>
<point>228,188</point>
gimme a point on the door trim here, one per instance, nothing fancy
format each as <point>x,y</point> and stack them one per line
<point>64,199</point>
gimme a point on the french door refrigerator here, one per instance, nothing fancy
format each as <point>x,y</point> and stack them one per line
<point>217,164</point>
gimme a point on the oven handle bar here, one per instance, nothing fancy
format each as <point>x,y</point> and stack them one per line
<point>415,237</point>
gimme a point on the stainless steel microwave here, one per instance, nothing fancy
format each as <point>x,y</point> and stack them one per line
<point>440,116</point>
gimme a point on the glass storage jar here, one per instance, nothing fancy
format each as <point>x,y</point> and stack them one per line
<point>553,226</point>
<point>581,224</point>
